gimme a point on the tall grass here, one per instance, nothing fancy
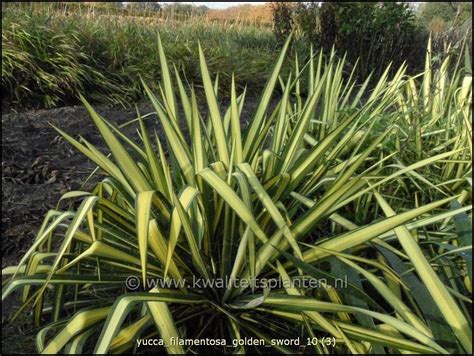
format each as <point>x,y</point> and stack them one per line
<point>326,186</point>
<point>49,55</point>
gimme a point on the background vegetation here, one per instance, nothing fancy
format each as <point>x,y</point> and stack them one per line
<point>50,54</point>
<point>376,34</point>
<point>53,51</point>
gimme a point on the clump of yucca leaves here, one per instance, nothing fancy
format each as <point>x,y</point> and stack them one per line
<point>314,186</point>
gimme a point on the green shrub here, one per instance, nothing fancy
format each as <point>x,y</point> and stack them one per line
<point>374,34</point>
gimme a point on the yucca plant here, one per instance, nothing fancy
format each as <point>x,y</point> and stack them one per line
<point>306,190</point>
<point>436,110</point>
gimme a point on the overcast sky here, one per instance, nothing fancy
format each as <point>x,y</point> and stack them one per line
<point>223,5</point>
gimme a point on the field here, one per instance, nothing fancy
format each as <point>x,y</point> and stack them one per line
<point>191,184</point>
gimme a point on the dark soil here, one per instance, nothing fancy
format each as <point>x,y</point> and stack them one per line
<point>38,166</point>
